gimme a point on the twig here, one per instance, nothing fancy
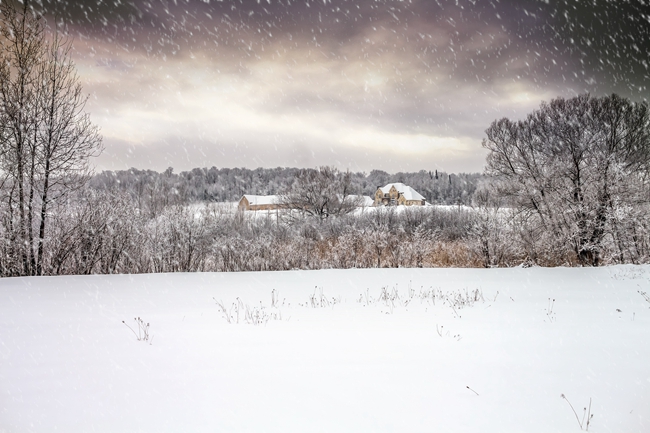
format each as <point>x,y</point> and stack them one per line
<point>136,335</point>
<point>586,413</point>
<point>574,411</point>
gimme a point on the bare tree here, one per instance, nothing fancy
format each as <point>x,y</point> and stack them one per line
<point>321,193</point>
<point>21,46</point>
<point>46,138</point>
<point>67,137</point>
<point>571,164</point>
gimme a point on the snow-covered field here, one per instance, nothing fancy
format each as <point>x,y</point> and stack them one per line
<point>437,350</point>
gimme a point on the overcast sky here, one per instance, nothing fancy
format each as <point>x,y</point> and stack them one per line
<point>359,84</point>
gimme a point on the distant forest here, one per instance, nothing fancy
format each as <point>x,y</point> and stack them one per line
<point>229,184</point>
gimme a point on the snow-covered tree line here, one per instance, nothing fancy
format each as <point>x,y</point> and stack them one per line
<point>103,232</point>
<point>229,184</point>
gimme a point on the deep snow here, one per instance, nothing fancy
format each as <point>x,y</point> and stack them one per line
<point>346,362</point>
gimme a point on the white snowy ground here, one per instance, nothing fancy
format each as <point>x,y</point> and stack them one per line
<point>345,362</point>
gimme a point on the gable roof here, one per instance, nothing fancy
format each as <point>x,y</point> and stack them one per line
<point>408,192</point>
<point>361,200</point>
<point>367,200</point>
<point>257,200</point>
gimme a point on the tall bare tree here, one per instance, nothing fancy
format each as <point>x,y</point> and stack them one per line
<point>67,138</point>
<point>46,138</point>
<point>21,44</point>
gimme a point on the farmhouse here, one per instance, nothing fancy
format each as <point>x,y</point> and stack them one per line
<point>259,202</point>
<point>398,194</point>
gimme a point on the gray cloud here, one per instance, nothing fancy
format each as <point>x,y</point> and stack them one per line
<point>280,82</point>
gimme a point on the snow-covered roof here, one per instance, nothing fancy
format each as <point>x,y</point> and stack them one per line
<point>261,199</point>
<point>362,200</point>
<point>408,192</point>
